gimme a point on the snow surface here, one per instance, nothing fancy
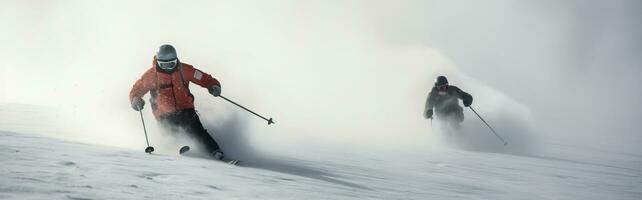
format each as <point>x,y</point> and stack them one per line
<point>35,167</point>
<point>38,164</point>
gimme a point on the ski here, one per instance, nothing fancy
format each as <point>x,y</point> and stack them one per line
<point>185,149</point>
<point>231,161</point>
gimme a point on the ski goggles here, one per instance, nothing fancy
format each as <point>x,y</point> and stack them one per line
<point>167,65</point>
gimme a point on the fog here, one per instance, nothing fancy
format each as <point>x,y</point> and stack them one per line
<point>349,75</point>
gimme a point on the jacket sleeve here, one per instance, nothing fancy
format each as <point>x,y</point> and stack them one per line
<point>430,102</point>
<point>464,96</point>
<point>199,77</point>
<point>142,85</point>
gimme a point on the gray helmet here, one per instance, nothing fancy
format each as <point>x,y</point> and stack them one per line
<point>166,57</point>
<point>166,52</point>
<point>441,81</point>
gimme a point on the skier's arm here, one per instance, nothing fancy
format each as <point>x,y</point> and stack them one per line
<point>465,97</point>
<point>200,78</point>
<point>429,102</point>
<point>429,105</point>
<point>142,86</point>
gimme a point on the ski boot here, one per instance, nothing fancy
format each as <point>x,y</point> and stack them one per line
<point>217,154</point>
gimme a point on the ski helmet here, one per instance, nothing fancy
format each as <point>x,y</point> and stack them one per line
<point>166,57</point>
<point>441,81</point>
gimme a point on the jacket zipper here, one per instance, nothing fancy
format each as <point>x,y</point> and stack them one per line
<point>174,93</point>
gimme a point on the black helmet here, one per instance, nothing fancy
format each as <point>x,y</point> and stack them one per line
<point>166,57</point>
<point>441,81</point>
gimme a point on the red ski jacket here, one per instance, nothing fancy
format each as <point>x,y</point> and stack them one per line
<point>170,91</point>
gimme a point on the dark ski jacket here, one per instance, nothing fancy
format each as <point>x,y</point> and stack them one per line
<point>444,102</point>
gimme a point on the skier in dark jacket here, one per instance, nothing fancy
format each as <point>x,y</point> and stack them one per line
<point>444,100</point>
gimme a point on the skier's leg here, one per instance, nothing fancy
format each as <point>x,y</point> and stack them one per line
<point>455,123</point>
<point>460,115</point>
<point>444,120</point>
<point>194,127</point>
<point>456,117</point>
<point>170,124</point>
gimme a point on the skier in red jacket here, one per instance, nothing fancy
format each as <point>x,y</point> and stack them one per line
<point>172,103</point>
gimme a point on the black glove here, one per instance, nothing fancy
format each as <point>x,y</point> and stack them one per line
<point>215,90</point>
<point>468,102</point>
<point>428,114</point>
<point>138,104</point>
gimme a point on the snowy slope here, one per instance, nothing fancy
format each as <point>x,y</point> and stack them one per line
<point>36,167</point>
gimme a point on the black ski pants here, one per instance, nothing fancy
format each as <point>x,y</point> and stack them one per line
<point>453,115</point>
<point>188,121</point>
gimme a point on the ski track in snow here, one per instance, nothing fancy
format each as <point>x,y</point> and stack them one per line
<point>35,167</point>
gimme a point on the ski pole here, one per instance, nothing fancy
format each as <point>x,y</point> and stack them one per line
<point>149,149</point>
<point>269,121</point>
<point>491,128</point>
